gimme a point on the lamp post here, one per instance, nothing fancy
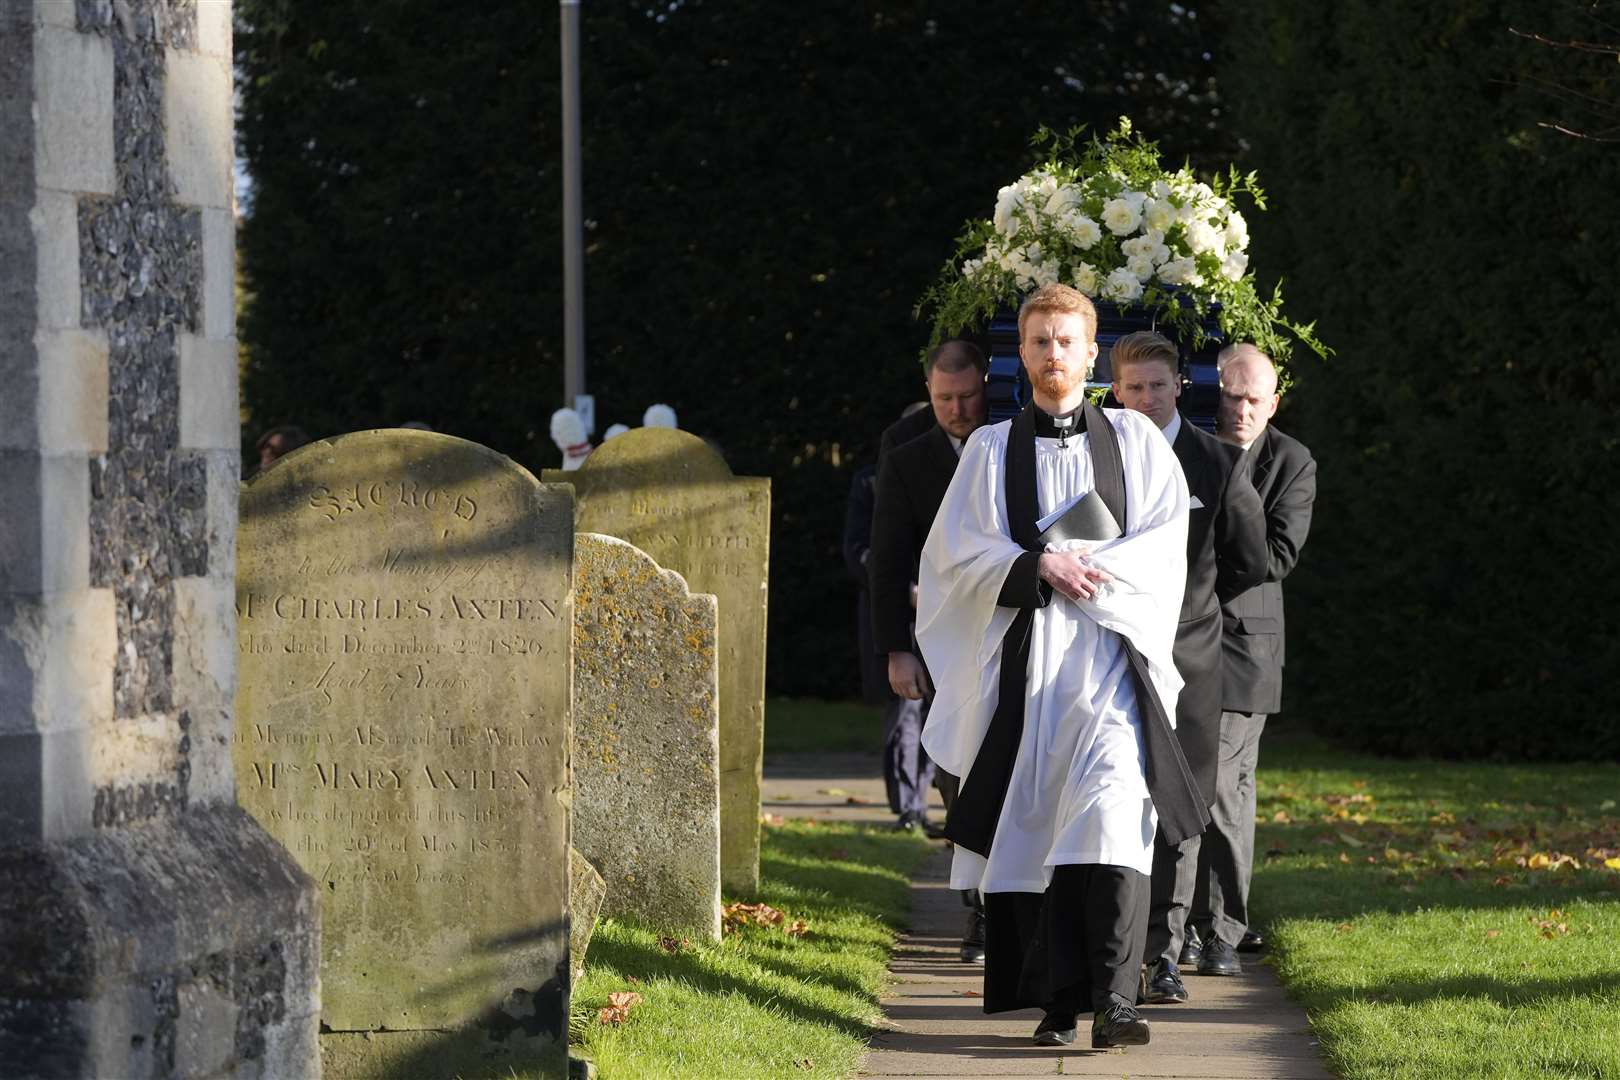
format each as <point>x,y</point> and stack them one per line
<point>573,231</point>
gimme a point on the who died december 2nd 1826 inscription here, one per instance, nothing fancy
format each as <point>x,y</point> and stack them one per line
<point>404,621</point>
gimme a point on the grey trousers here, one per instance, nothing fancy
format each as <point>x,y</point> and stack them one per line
<point>1175,877</point>
<point>907,772</point>
<point>1226,856</point>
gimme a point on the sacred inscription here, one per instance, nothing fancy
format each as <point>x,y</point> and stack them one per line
<point>404,619</point>
<point>668,494</point>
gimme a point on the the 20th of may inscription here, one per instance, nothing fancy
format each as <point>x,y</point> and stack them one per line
<point>404,627</point>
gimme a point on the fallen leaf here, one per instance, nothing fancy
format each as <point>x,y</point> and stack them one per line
<point>1281,817</point>
<point>856,800</point>
<point>632,980</point>
<point>617,1011</point>
<point>1343,857</point>
<point>835,792</point>
<point>1493,934</point>
<point>772,820</point>
<point>804,1063</point>
<point>1539,861</point>
<point>1606,804</point>
<point>968,993</point>
<point>797,928</point>
<point>671,945</point>
<point>1348,839</point>
<point>1344,927</point>
<point>1612,864</point>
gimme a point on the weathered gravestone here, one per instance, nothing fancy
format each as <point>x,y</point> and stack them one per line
<point>646,737</point>
<point>671,496</point>
<point>404,622</point>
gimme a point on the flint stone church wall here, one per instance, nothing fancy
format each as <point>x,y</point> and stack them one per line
<point>151,928</point>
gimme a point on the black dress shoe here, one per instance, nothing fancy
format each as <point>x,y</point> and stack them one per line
<point>1252,942</point>
<point>1118,1025</point>
<point>973,938</point>
<point>909,821</point>
<point>1219,959</point>
<point>934,830</point>
<point>1161,985</point>
<point>1057,1028</point>
<point>1192,951</point>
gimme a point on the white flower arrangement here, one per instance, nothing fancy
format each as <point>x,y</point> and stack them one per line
<point>1106,217</point>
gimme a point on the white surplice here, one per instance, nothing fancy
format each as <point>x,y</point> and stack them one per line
<point>1078,792</point>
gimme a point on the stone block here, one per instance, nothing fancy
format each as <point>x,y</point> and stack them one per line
<point>646,737</point>
<point>124,942</point>
<point>56,655</point>
<point>55,221</point>
<point>210,415</point>
<point>671,496</point>
<point>73,90</point>
<point>204,1030</point>
<point>219,274</point>
<point>59,13</point>
<point>197,118</point>
<point>205,681</point>
<point>45,788</point>
<point>404,636</point>
<point>72,392</point>
<point>45,531</point>
<point>586,890</point>
<point>214,28</point>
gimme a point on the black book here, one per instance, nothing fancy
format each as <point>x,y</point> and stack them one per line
<point>1087,518</point>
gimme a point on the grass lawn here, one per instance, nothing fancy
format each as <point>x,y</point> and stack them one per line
<point>1442,919</point>
<point>807,725</point>
<point>761,1002</point>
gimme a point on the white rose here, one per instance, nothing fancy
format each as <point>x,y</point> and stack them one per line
<point>1159,214</point>
<point>1202,236</point>
<point>1008,201</point>
<point>1234,264</point>
<point>1084,232</point>
<point>1237,231</point>
<point>1150,245</point>
<point>1062,200</point>
<point>1122,286</point>
<point>1047,273</point>
<point>1121,217</point>
<point>1180,272</point>
<point>1085,279</point>
<point>1161,190</point>
<point>1140,266</point>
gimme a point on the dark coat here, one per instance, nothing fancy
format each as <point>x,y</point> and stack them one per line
<point>903,431</point>
<point>1226,555</point>
<point>911,484</point>
<point>1284,475</point>
<point>857,543</point>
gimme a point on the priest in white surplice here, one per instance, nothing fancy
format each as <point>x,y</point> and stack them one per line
<point>1055,686</point>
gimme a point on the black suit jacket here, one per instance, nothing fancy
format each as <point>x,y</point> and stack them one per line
<point>903,431</point>
<point>1226,555</point>
<point>1284,475</point>
<point>911,484</point>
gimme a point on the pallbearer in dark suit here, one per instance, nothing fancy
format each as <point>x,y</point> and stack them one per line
<point>1226,554</point>
<point>1284,475</point>
<point>912,478</point>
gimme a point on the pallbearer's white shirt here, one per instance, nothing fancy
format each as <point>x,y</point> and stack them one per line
<point>1078,792</point>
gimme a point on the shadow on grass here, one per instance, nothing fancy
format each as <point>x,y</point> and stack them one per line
<point>688,967</point>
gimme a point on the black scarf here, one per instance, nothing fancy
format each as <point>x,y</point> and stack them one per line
<point>973,816</point>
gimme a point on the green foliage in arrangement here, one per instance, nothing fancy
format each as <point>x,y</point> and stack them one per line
<point>791,990</point>
<point>1459,253</point>
<point>1443,921</point>
<point>765,198</point>
<point>1106,216</point>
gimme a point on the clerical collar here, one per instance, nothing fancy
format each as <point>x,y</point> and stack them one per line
<point>1173,428</point>
<point>1062,429</point>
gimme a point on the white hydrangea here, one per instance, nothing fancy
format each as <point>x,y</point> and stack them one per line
<point>1122,216</point>
<point>1122,286</point>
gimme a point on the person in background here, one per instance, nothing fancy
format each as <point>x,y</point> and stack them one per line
<point>1226,554</point>
<point>1284,474</point>
<point>277,443</point>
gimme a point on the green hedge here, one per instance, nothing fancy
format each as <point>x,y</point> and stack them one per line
<point>1457,596</point>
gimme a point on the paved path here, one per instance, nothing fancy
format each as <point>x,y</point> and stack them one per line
<point>1236,1027</point>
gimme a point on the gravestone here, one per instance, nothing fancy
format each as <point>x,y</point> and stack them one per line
<point>404,623</point>
<point>674,498</point>
<point>586,890</point>
<point>646,737</point>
